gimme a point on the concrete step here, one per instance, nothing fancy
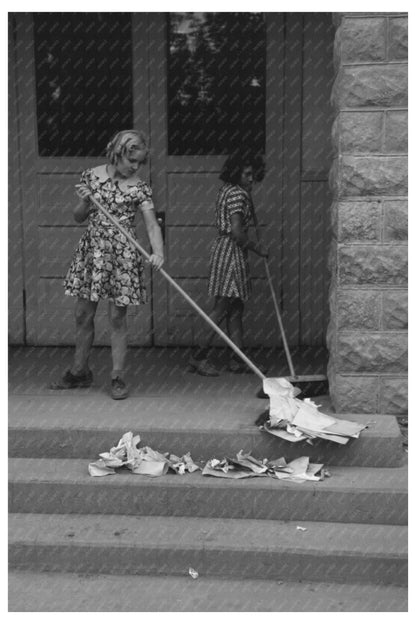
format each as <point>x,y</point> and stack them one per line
<point>350,495</point>
<point>230,548</point>
<point>36,592</point>
<point>66,425</point>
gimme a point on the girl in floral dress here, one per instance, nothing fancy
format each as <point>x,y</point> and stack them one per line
<point>105,265</point>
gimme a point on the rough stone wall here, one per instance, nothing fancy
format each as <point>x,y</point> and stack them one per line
<point>367,335</point>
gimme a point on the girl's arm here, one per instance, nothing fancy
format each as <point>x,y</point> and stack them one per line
<point>154,233</point>
<point>241,238</point>
<point>82,209</point>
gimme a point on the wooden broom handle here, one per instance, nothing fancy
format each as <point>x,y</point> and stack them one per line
<point>273,293</point>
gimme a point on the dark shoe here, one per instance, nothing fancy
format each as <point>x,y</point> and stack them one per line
<point>260,394</point>
<point>262,419</point>
<point>119,389</point>
<point>70,381</point>
<point>202,367</point>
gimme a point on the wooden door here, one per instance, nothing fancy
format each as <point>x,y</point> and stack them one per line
<point>185,188</point>
<point>64,109</point>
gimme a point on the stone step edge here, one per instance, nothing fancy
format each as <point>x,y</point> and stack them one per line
<point>355,495</point>
<point>380,424</point>
<point>220,548</point>
<point>373,450</point>
<point>69,591</point>
<point>212,533</point>
<point>75,471</point>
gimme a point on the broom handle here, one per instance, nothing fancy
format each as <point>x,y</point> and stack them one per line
<point>273,293</point>
<point>205,316</point>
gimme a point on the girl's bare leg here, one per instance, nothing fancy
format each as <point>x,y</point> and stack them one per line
<point>84,334</point>
<point>235,322</point>
<point>117,316</point>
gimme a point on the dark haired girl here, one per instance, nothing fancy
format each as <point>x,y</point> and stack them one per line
<point>229,278</point>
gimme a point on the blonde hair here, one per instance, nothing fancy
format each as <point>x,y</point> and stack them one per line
<point>125,142</point>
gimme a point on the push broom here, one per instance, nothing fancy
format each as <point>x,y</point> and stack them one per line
<point>310,385</point>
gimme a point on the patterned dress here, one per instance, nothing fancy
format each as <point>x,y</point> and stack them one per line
<point>105,265</point>
<point>229,271</point>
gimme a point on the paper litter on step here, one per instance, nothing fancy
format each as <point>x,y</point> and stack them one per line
<point>295,420</point>
<point>141,461</point>
<point>245,466</point>
<point>193,573</point>
<point>146,461</point>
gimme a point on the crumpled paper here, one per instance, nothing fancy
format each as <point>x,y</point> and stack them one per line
<point>295,420</point>
<point>141,461</point>
<point>245,466</point>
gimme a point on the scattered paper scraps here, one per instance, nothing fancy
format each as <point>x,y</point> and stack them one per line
<point>193,573</point>
<point>146,461</point>
<point>245,466</point>
<point>296,420</point>
<point>140,461</point>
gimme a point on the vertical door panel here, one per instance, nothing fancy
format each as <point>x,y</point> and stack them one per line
<point>185,187</point>
<point>66,115</point>
<point>16,320</point>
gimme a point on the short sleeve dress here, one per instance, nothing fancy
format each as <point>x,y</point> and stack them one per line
<point>105,265</point>
<point>229,274</point>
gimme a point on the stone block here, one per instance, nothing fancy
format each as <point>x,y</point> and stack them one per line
<point>363,39</point>
<point>396,133</point>
<point>372,265</point>
<point>380,85</point>
<point>397,40</point>
<point>381,352</point>
<point>372,175</point>
<point>358,309</point>
<point>351,394</point>
<point>395,221</point>
<point>359,221</point>
<point>393,395</point>
<point>360,132</point>
<point>394,310</point>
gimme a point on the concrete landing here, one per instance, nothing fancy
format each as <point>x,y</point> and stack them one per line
<point>208,426</point>
<point>154,371</point>
<point>173,410</point>
<point>107,593</point>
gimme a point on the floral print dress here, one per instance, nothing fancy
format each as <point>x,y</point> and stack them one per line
<point>105,264</point>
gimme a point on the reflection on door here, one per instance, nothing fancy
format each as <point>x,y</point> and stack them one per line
<point>216,82</point>
<point>83,81</point>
